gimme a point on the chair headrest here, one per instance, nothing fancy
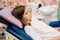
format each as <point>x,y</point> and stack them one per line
<point>6,14</point>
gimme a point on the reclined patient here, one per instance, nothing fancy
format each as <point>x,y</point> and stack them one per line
<point>36,29</point>
<point>33,27</point>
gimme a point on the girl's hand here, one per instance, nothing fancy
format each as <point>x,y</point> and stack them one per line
<point>58,28</point>
<point>56,38</point>
<point>2,25</point>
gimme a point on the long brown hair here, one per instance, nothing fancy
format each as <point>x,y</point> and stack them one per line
<point>18,11</point>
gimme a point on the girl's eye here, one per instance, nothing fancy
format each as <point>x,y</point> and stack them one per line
<point>26,13</point>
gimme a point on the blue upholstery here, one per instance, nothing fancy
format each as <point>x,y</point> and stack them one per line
<point>55,24</point>
<point>16,31</point>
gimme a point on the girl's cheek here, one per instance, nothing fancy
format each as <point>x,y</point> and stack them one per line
<point>27,17</point>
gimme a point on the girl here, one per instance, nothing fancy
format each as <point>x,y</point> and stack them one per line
<point>33,27</point>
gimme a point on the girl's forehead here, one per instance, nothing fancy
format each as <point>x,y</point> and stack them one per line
<point>26,9</point>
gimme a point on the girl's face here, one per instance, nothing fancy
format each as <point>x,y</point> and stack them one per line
<point>26,17</point>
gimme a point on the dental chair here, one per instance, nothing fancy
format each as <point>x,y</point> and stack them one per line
<point>7,18</point>
<point>13,30</point>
